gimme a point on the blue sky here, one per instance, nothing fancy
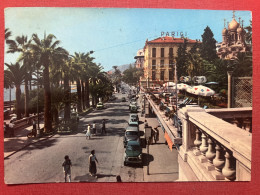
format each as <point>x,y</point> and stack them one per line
<point>115,34</point>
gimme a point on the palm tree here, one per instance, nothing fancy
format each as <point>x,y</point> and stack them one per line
<point>15,75</point>
<point>78,62</point>
<point>47,52</point>
<point>8,33</point>
<point>21,45</point>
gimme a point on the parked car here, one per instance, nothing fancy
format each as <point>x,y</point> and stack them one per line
<point>133,108</point>
<point>133,120</point>
<point>133,153</point>
<point>132,103</point>
<point>131,133</point>
<point>100,106</point>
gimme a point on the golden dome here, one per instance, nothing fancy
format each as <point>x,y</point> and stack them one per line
<point>224,31</point>
<point>233,25</point>
<point>239,29</point>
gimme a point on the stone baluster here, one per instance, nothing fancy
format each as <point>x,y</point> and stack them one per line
<point>219,162</point>
<point>229,170</point>
<point>197,142</point>
<point>203,147</point>
<point>210,154</point>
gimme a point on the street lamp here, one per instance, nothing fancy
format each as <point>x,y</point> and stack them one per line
<point>38,117</point>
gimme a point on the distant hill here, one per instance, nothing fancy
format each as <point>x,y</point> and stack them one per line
<point>122,68</point>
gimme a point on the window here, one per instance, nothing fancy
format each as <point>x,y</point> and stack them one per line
<point>154,52</point>
<point>162,75</point>
<point>171,75</point>
<point>153,76</point>
<point>153,64</point>
<point>162,52</point>
<point>162,63</point>
<point>171,64</point>
<point>170,52</point>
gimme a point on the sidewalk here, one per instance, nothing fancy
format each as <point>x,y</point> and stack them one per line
<point>20,141</point>
<point>163,165</point>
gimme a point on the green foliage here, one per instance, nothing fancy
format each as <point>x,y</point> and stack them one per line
<point>132,75</point>
<point>208,46</point>
<point>249,33</point>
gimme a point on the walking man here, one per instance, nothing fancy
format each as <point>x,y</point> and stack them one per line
<point>67,168</point>
<point>104,126</point>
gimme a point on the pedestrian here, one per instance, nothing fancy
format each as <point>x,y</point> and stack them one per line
<point>104,126</point>
<point>92,163</point>
<point>67,168</point>
<point>157,134</point>
<point>118,178</point>
<point>34,128</point>
<point>94,128</point>
<point>6,129</point>
<point>88,134</point>
<point>11,129</point>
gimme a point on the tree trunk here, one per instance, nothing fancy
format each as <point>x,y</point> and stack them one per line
<point>26,98</point>
<point>87,93</point>
<point>83,95</point>
<point>79,96</point>
<point>67,98</point>
<point>56,115</point>
<point>47,100</point>
<point>18,99</point>
<point>93,101</point>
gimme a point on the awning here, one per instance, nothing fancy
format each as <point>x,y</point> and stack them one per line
<point>169,141</point>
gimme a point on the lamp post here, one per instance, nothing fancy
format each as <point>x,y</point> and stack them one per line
<point>38,117</point>
<point>229,88</point>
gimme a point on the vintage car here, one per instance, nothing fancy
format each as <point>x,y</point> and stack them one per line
<point>133,153</point>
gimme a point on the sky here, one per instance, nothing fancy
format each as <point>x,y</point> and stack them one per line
<point>114,34</point>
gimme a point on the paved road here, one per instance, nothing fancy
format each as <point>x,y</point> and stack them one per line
<point>41,162</point>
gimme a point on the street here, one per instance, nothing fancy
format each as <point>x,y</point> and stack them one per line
<point>42,162</point>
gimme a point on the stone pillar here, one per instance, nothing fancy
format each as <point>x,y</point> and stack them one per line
<point>219,162</point>
<point>203,148</point>
<point>229,170</point>
<point>197,142</point>
<point>229,89</point>
<point>211,153</point>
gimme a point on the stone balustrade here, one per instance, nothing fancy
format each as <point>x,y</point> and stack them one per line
<point>212,149</point>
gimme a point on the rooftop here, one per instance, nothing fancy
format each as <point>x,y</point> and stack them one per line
<point>168,39</point>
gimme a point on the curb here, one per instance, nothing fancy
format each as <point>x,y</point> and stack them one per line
<point>26,145</point>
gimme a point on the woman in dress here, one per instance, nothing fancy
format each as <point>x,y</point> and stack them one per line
<point>92,163</point>
<point>88,134</point>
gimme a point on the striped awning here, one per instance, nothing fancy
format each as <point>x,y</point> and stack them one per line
<point>168,139</point>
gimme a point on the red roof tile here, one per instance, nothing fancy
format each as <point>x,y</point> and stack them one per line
<point>170,40</point>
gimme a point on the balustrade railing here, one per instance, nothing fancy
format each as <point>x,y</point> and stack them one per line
<point>211,144</point>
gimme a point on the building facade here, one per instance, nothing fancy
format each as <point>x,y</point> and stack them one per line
<point>159,55</point>
<point>233,40</point>
<point>139,59</point>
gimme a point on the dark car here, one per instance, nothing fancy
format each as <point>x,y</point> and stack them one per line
<point>131,133</point>
<point>133,153</point>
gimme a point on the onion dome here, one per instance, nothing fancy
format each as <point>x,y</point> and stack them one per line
<point>233,25</point>
<point>239,29</point>
<point>224,31</point>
